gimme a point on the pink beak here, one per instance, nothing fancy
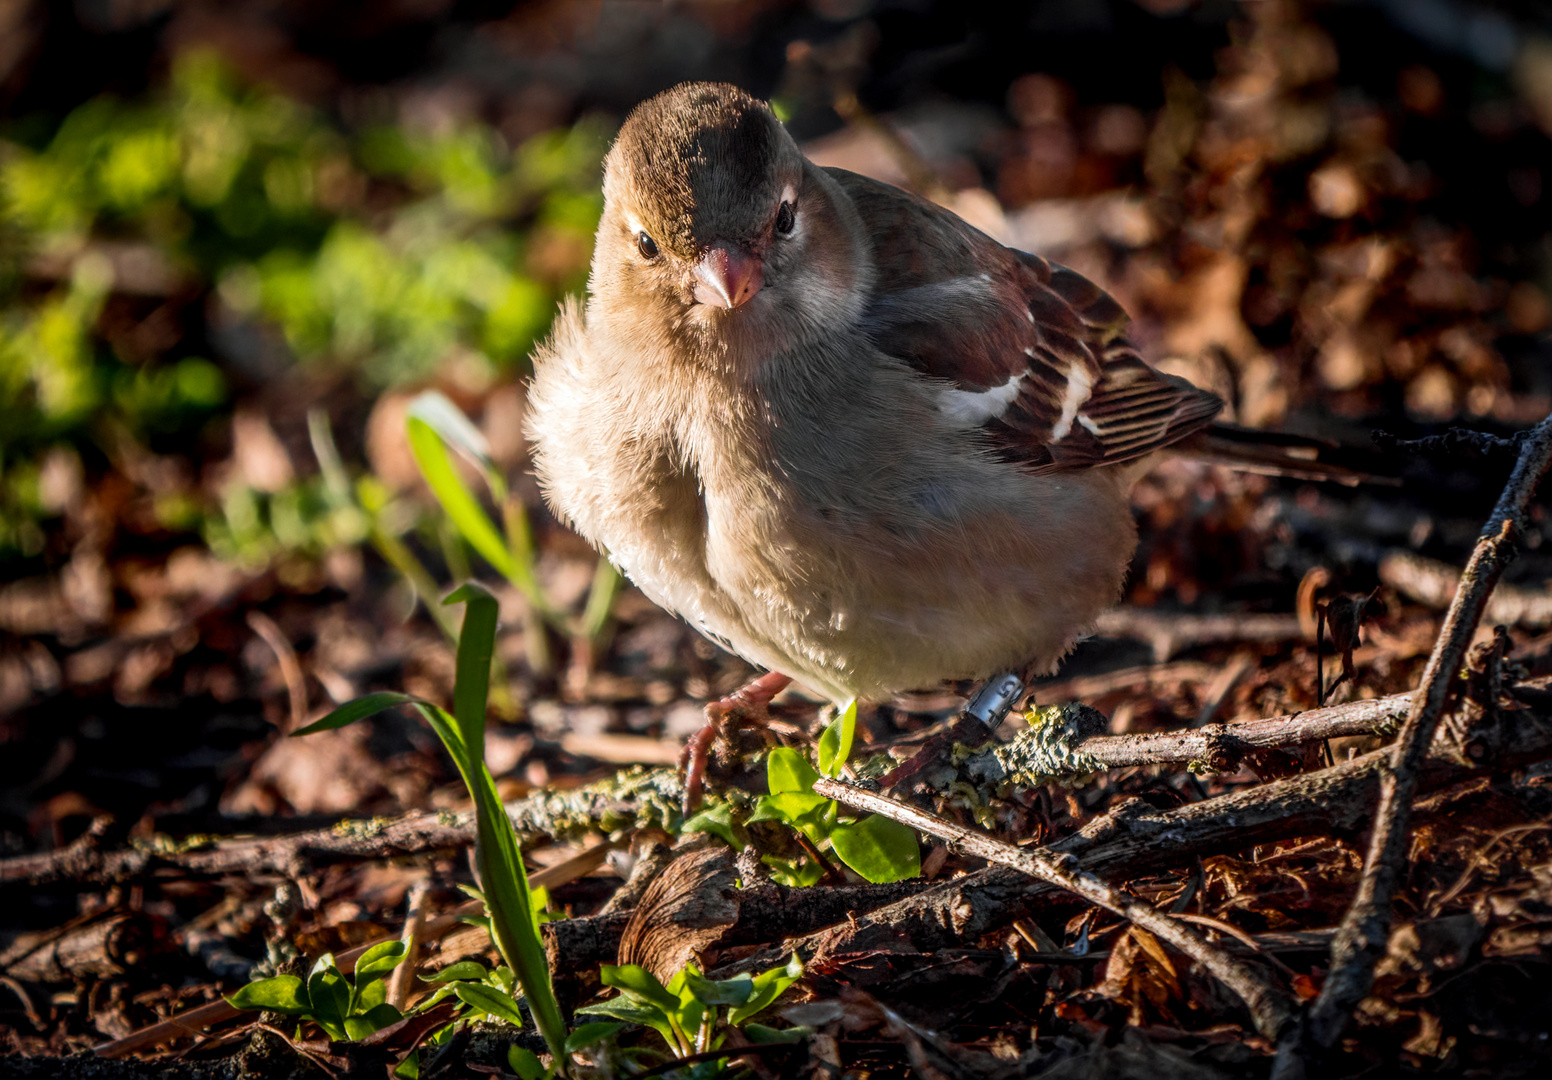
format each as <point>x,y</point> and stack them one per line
<point>727,276</point>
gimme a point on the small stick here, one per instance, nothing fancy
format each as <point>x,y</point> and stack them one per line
<point>1270,1008</point>
<point>1361,939</point>
<point>402,980</point>
<point>290,668</point>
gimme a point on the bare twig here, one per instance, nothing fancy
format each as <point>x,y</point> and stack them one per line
<point>1271,1009</point>
<point>293,855</point>
<point>1221,746</point>
<point>1362,937</point>
<point>290,669</point>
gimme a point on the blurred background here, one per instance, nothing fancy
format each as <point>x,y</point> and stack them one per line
<point>237,238</point>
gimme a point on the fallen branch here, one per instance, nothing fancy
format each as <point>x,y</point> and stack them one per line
<point>1135,839</point>
<point>1271,1009</point>
<point>1365,930</point>
<point>639,798</point>
<point>1221,746</point>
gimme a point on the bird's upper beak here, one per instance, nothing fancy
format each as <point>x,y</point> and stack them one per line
<point>728,276</point>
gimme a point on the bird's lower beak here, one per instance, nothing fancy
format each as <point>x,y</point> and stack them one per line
<point>727,276</point>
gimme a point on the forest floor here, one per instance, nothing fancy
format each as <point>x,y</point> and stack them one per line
<point>1338,238</point>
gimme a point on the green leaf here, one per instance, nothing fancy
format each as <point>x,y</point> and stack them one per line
<point>282,994</point>
<point>642,1013</point>
<point>464,969</point>
<point>639,984</point>
<point>368,996</point>
<point>586,1035</point>
<point>525,1063</point>
<point>768,986</point>
<point>493,1002</point>
<point>713,993</point>
<point>439,995</point>
<point>476,646</point>
<point>380,958</point>
<point>835,742</point>
<point>359,709</point>
<point>793,873</point>
<point>759,1033</point>
<point>457,501</point>
<point>717,820</point>
<point>329,993</point>
<point>409,1068</point>
<point>788,770</point>
<point>879,849</point>
<point>805,811</point>
<point>374,1019</point>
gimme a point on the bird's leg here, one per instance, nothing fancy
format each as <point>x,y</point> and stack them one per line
<point>978,719</point>
<point>748,702</point>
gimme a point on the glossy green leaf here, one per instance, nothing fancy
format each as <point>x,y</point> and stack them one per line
<point>805,811</point>
<point>835,742</point>
<point>638,983</point>
<point>768,986</point>
<point>717,820</point>
<point>463,969</point>
<point>879,849</point>
<point>374,1019</point>
<point>489,1001</point>
<point>359,709</point>
<point>329,993</point>
<point>793,873</point>
<point>380,958</point>
<point>788,770</point>
<point>369,995</point>
<point>525,1063</point>
<point>642,1013</point>
<point>586,1035</point>
<point>282,994</point>
<point>713,992</point>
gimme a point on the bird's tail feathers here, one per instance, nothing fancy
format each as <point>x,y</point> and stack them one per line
<point>1277,454</point>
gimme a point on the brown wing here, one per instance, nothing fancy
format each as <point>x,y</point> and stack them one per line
<point>1033,351</point>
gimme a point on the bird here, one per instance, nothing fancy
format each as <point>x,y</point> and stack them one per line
<point>840,431</point>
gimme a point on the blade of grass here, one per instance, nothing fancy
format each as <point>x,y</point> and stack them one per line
<point>459,503</point>
<point>514,920</point>
<point>600,598</point>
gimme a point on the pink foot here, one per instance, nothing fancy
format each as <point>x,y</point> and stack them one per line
<point>749,702</point>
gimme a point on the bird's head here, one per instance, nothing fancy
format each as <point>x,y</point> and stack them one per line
<point>713,218</point>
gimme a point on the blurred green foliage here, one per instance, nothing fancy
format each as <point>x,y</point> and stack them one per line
<point>259,220</point>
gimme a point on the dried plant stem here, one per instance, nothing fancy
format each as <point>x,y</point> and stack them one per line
<point>1365,930</point>
<point>1271,1009</point>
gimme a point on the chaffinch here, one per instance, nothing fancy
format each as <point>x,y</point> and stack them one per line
<point>843,433</point>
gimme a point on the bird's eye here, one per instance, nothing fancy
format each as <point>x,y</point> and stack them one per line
<point>646,245</point>
<point>786,218</point>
